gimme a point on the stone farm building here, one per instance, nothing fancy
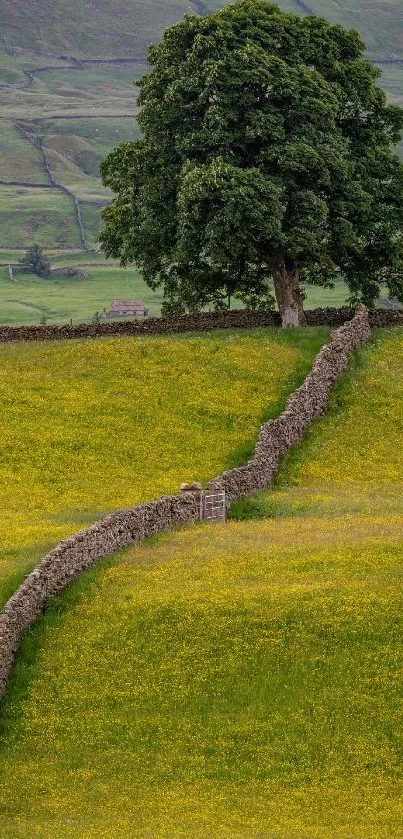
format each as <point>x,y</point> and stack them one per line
<point>125,307</point>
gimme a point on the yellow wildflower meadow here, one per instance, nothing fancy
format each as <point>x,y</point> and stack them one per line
<point>224,681</point>
<point>87,427</point>
<point>241,681</point>
<point>353,460</point>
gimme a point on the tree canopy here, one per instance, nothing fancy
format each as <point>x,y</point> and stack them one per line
<point>266,160</point>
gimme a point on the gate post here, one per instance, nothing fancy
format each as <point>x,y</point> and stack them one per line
<point>212,505</point>
<point>197,490</point>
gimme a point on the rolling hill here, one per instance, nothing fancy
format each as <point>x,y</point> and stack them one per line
<point>97,29</point>
<point>240,681</point>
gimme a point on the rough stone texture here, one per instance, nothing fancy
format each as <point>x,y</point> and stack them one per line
<point>76,554</point>
<point>202,322</point>
<point>385,317</point>
<point>305,404</point>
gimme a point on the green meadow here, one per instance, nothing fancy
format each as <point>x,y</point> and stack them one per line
<point>60,299</point>
<point>27,298</point>
<point>233,681</point>
<point>236,681</point>
<point>26,216</point>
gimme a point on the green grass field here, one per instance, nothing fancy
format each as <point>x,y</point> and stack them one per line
<point>351,462</point>
<point>240,681</point>
<point>58,256</point>
<point>61,299</point>
<point>18,160</point>
<point>101,134</point>
<point>26,216</point>
<point>230,682</point>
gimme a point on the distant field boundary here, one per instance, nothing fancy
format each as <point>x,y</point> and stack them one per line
<point>72,556</point>
<point>200,322</point>
<point>53,183</point>
<point>78,64</point>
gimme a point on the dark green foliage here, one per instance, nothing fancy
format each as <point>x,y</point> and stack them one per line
<point>266,155</point>
<point>35,262</point>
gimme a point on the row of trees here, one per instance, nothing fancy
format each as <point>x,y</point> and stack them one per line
<point>266,160</point>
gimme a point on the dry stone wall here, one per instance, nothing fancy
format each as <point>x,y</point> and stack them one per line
<point>200,322</point>
<point>80,552</point>
<point>305,404</point>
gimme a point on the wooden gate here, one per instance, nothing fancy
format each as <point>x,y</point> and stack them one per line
<point>214,507</point>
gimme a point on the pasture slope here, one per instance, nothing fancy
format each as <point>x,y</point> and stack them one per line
<point>240,681</point>
<point>91,426</point>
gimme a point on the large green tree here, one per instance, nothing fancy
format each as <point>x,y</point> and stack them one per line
<point>266,158</point>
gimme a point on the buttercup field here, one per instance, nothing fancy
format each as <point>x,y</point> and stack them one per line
<point>201,530</point>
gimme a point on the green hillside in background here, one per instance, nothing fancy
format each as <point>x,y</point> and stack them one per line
<point>89,30</point>
<point>67,98</point>
<point>380,23</point>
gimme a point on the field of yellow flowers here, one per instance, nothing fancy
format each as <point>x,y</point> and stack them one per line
<point>352,461</point>
<point>241,681</point>
<point>87,427</point>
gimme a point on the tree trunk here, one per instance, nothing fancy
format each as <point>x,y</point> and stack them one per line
<point>289,295</point>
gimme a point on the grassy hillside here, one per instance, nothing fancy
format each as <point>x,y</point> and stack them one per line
<point>352,461</point>
<point>88,30</point>
<point>28,215</point>
<point>127,30</point>
<point>18,160</point>
<point>74,117</point>
<point>58,104</point>
<point>90,426</point>
<point>235,681</point>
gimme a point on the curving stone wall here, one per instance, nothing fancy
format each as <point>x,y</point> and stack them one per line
<point>78,553</point>
<point>305,404</point>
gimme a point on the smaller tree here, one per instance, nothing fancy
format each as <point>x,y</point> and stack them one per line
<point>35,262</point>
